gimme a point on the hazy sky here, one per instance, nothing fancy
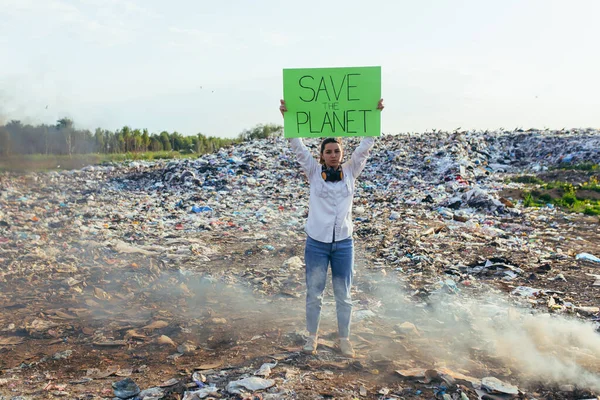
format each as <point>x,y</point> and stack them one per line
<point>216,66</point>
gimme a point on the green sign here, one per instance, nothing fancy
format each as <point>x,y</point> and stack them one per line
<point>331,102</point>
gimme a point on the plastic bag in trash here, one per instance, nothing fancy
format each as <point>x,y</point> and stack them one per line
<point>587,257</point>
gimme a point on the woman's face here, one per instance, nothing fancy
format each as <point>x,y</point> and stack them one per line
<point>332,154</point>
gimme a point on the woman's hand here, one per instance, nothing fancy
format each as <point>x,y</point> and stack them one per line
<point>380,105</point>
<point>282,107</point>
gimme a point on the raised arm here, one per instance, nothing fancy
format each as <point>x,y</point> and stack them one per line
<point>305,158</point>
<point>359,156</point>
<point>307,161</point>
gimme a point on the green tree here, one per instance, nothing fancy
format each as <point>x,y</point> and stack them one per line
<point>202,143</point>
<point>166,140</point>
<point>136,140</point>
<point>99,140</point>
<point>112,141</point>
<point>145,140</point>
<point>64,138</point>
<point>177,141</point>
<point>4,141</point>
<point>65,126</point>
<point>122,148</point>
<point>156,144</point>
<point>187,144</point>
<point>127,138</point>
<point>195,144</point>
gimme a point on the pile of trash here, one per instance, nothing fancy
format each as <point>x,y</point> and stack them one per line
<point>183,258</point>
<point>420,190</point>
<point>453,170</point>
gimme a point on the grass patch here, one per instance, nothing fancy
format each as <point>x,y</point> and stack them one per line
<point>585,166</point>
<point>530,201</point>
<point>592,184</point>
<point>587,207</point>
<point>565,196</point>
<point>592,210</point>
<point>545,197</point>
<point>527,179</point>
<point>148,156</point>
<point>568,201</point>
<point>42,162</point>
<point>562,186</point>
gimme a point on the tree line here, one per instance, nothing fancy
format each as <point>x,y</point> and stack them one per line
<point>65,139</point>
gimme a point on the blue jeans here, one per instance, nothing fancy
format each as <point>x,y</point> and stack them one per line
<point>318,256</point>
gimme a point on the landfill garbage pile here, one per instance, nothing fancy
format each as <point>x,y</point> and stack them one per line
<point>455,170</point>
<point>184,278</point>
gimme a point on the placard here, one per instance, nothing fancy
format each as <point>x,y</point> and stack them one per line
<point>332,102</point>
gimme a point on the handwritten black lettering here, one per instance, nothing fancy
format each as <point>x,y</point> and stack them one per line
<point>348,120</point>
<point>298,123</point>
<point>331,106</point>
<point>322,88</point>
<point>342,122</point>
<point>333,93</point>
<point>337,94</point>
<point>307,87</point>
<point>327,121</point>
<point>351,86</point>
<point>310,125</point>
<point>365,119</point>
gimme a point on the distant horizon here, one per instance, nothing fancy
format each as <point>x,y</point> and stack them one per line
<point>516,129</point>
<point>217,69</point>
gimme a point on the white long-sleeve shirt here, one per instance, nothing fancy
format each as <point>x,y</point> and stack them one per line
<point>330,203</point>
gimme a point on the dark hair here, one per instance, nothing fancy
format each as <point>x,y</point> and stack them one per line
<point>327,141</point>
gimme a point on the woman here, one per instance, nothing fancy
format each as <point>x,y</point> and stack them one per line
<point>329,230</point>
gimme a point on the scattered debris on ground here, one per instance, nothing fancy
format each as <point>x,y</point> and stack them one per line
<point>184,279</point>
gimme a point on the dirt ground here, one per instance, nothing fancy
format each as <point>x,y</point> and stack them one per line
<point>571,176</point>
<point>568,176</point>
<point>71,328</point>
